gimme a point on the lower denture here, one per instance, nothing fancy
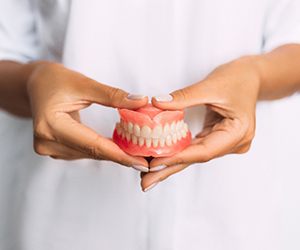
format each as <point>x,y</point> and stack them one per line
<point>150,131</point>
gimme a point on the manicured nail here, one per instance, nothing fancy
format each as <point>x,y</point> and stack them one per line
<point>135,96</point>
<point>157,168</point>
<point>150,187</point>
<point>140,168</point>
<point>163,98</point>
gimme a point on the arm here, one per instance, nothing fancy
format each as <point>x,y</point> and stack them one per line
<point>279,72</point>
<point>53,96</point>
<point>13,96</point>
<point>230,94</point>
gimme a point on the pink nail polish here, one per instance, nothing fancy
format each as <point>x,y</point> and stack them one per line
<point>157,168</point>
<point>163,98</point>
<point>135,96</point>
<point>140,168</point>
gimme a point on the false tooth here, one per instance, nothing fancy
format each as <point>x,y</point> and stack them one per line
<point>130,127</point>
<point>162,142</point>
<point>157,131</point>
<point>178,135</point>
<point>148,142</point>
<point>169,140</point>
<point>178,126</point>
<point>136,130</point>
<point>146,132</point>
<point>174,138</point>
<point>181,122</point>
<point>166,130</point>
<point>125,126</point>
<point>155,142</point>
<point>185,127</point>
<point>141,141</point>
<point>127,135</point>
<point>119,129</point>
<point>183,133</point>
<point>134,139</point>
<point>173,127</point>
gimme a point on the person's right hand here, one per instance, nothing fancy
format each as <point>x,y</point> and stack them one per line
<point>56,95</point>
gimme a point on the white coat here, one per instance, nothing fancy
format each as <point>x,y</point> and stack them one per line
<point>237,202</point>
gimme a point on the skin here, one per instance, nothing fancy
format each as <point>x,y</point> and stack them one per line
<point>53,95</point>
<point>230,94</point>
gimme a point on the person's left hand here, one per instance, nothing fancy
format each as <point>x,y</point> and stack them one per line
<point>230,94</point>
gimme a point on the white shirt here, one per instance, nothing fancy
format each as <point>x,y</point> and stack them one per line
<point>238,202</point>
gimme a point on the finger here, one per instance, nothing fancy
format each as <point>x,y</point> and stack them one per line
<point>206,131</point>
<point>114,97</point>
<point>218,143</point>
<point>192,95</point>
<point>152,178</point>
<point>57,150</point>
<point>77,136</point>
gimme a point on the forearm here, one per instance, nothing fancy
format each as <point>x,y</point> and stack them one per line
<point>13,93</point>
<point>279,72</point>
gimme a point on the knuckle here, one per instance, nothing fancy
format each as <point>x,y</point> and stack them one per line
<point>40,148</point>
<point>244,149</point>
<point>205,158</point>
<point>93,152</point>
<point>250,132</point>
<point>247,130</point>
<point>115,96</point>
<point>41,130</point>
<point>183,94</point>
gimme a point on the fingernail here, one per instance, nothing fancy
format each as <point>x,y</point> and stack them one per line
<point>140,168</point>
<point>150,187</point>
<point>135,96</point>
<point>157,168</point>
<point>163,98</point>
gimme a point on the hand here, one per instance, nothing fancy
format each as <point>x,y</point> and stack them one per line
<point>230,94</point>
<point>56,95</point>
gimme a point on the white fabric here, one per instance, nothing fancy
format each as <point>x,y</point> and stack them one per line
<point>238,202</point>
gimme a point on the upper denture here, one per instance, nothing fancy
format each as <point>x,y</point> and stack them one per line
<point>151,131</point>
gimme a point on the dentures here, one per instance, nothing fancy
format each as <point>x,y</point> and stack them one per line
<point>150,131</point>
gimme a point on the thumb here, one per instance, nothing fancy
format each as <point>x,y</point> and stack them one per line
<point>115,97</point>
<point>192,95</point>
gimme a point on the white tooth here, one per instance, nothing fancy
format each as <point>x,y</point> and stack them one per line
<point>178,135</point>
<point>166,130</point>
<point>141,141</point>
<point>119,129</point>
<point>146,132</point>
<point>185,127</point>
<point>127,135</point>
<point>134,139</point>
<point>178,126</point>
<point>123,134</point>
<point>136,130</point>
<point>183,133</point>
<point>169,140</point>
<point>162,142</point>
<point>148,142</point>
<point>181,122</point>
<point>125,126</point>
<point>174,138</point>
<point>130,127</point>
<point>157,131</point>
<point>155,142</point>
<point>173,127</point>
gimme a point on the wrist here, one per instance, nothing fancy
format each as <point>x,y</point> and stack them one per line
<point>254,67</point>
<point>26,73</point>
